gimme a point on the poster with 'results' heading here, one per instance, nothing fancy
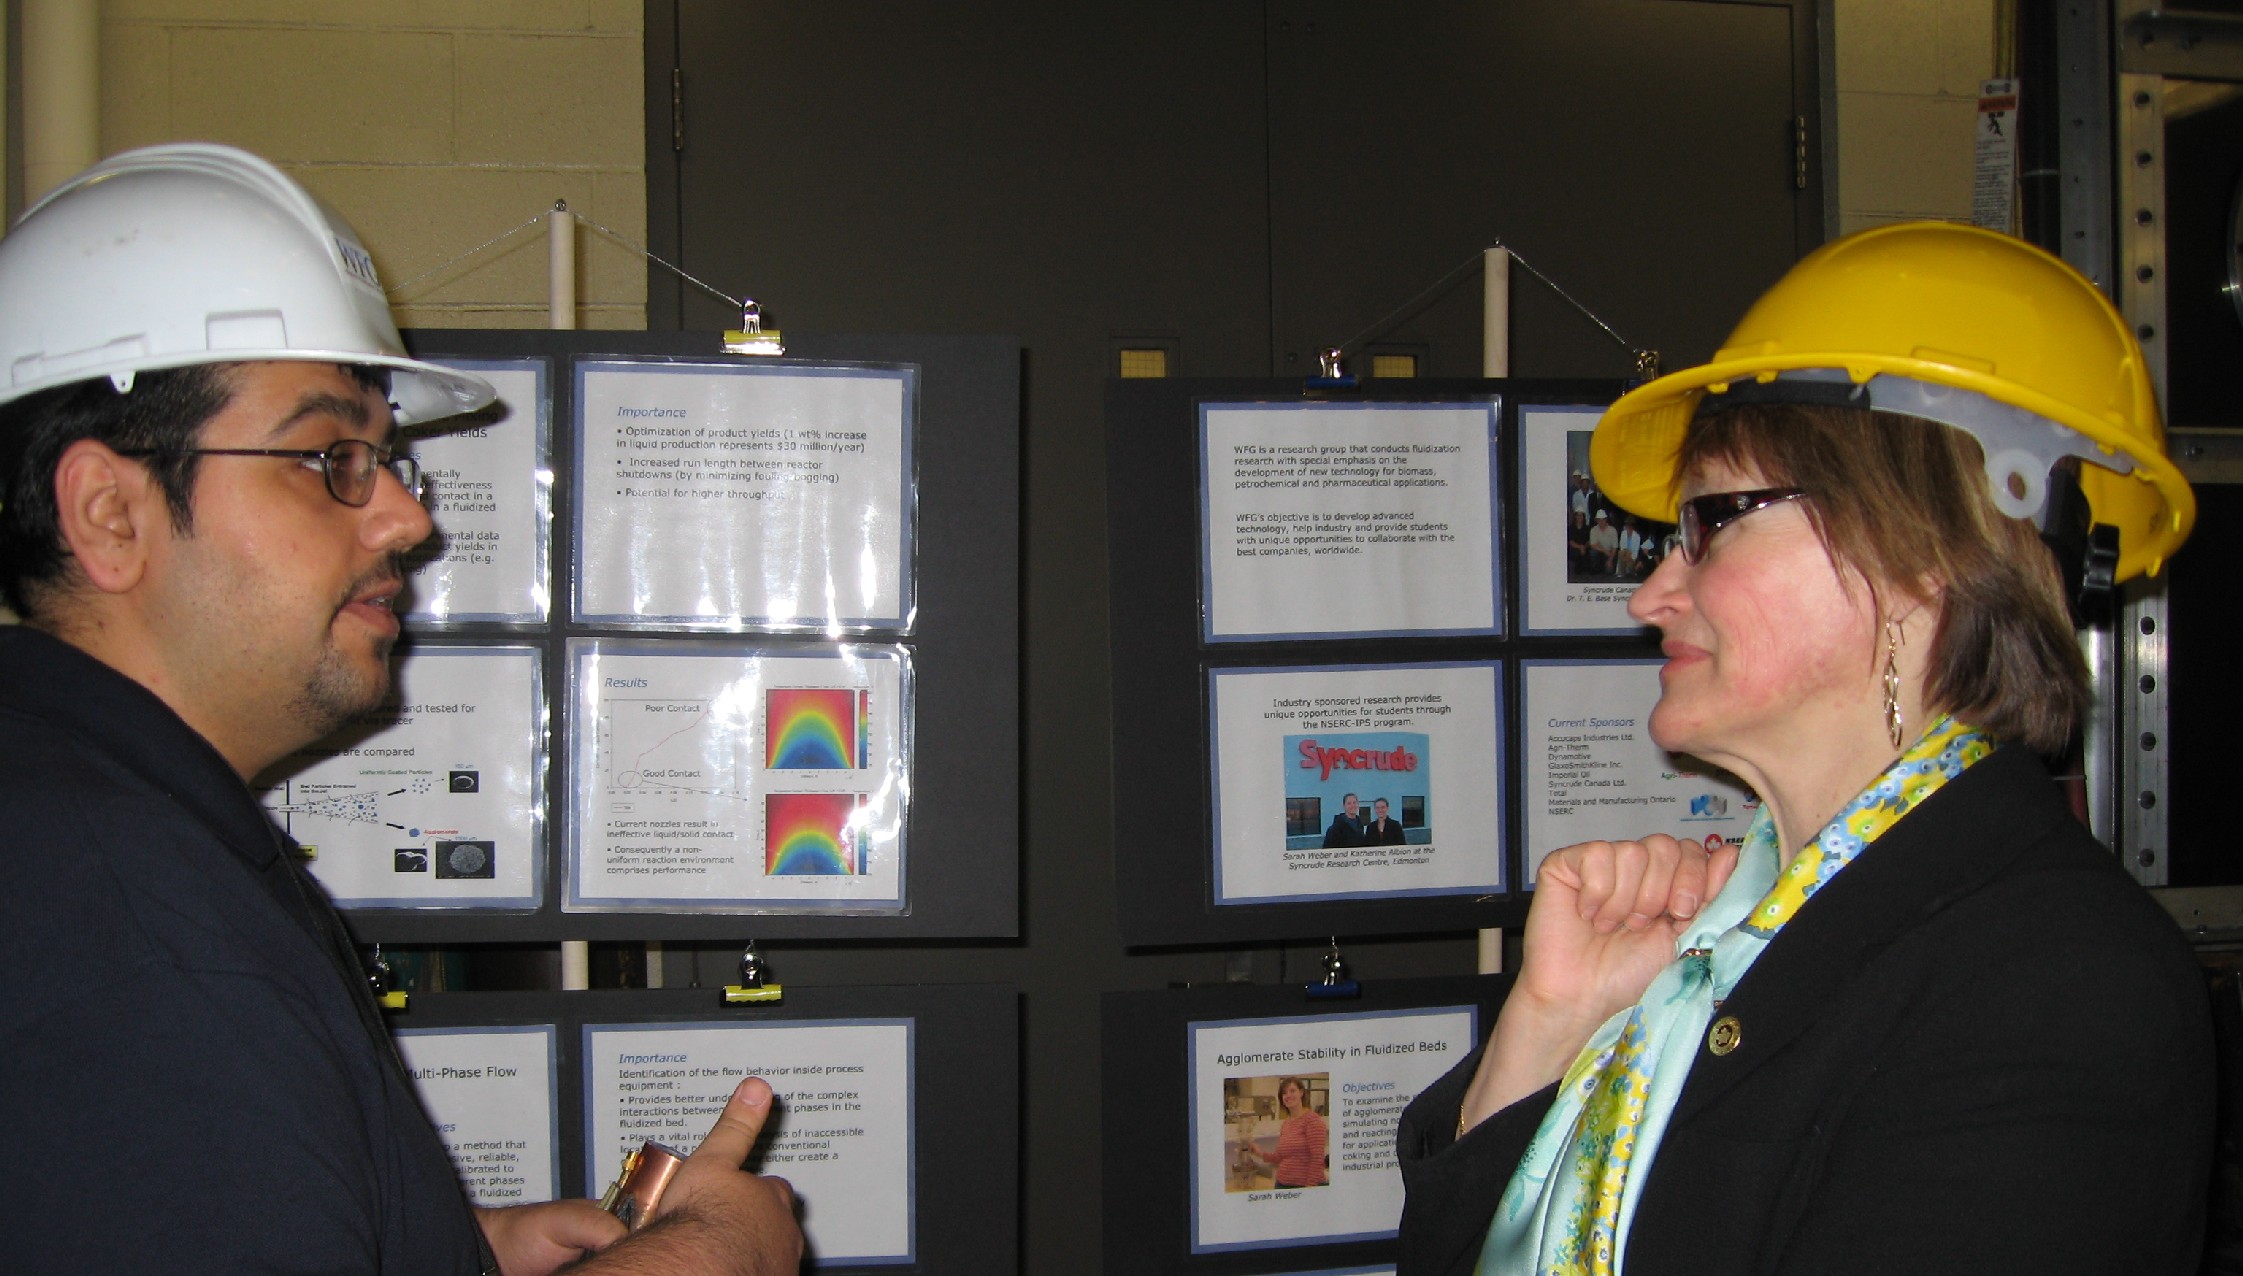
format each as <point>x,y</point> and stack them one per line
<point>732,777</point>
<point>1356,781</point>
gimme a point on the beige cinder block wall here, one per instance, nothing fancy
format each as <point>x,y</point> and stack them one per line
<point>437,124</point>
<point>1908,73</point>
<point>433,125</point>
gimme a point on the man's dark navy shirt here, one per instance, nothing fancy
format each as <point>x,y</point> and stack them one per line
<point>193,1076</point>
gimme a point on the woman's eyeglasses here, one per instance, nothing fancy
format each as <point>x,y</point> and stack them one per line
<point>1702,516</point>
<point>350,466</point>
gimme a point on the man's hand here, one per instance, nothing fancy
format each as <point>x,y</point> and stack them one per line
<point>715,1217</point>
<point>1604,922</point>
<point>711,1181</point>
<point>532,1240</point>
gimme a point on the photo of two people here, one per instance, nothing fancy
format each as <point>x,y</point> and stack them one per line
<point>1346,789</point>
<point>1356,825</point>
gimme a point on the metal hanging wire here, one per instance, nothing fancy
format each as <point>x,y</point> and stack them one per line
<point>750,312</point>
<point>745,305</point>
<point>395,290</point>
<point>1646,359</point>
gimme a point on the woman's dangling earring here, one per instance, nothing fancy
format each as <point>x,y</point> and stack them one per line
<point>1892,682</point>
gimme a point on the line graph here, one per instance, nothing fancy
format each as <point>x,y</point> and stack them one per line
<point>656,748</point>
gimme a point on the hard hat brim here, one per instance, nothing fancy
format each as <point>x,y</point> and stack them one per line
<point>1633,451</point>
<point>421,392</point>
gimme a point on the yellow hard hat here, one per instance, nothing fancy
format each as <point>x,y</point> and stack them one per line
<point>1959,325</point>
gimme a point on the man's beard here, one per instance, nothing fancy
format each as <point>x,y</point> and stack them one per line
<point>336,691</point>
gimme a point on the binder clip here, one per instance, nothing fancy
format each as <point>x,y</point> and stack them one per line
<point>752,988</point>
<point>1336,985</point>
<point>751,337</point>
<point>378,975</point>
<point>1331,374</point>
<point>1647,366</point>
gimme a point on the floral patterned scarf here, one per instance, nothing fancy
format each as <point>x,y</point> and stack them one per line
<point>1567,1208</point>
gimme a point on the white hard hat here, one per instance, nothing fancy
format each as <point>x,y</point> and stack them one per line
<point>194,253</point>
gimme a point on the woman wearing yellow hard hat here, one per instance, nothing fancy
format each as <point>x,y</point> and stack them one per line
<point>1919,1021</point>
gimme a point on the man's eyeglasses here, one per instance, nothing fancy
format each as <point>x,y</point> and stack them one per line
<point>1702,516</point>
<point>350,466</point>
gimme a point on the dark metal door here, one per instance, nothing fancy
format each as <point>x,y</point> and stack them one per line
<point>1241,183</point>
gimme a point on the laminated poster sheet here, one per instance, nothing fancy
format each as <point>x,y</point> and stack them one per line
<point>1293,1122</point>
<point>489,488</point>
<point>734,777</point>
<point>492,1094</point>
<point>732,496</point>
<point>1357,781</point>
<point>841,1132</point>
<point>1323,520</point>
<point>1593,771</point>
<point>436,798</point>
<point>1580,556</point>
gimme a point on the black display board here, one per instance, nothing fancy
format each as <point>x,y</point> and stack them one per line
<point>966,1091</point>
<point>1163,801</point>
<point>963,848</point>
<point>1147,1148</point>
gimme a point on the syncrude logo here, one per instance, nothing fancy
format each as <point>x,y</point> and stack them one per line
<point>1315,757</point>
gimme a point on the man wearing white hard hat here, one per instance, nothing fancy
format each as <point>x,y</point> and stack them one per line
<point>1604,545</point>
<point>203,509</point>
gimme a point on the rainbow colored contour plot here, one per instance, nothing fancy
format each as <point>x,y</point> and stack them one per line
<point>815,729</point>
<point>813,835</point>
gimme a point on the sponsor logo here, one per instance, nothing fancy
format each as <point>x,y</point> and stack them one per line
<point>1315,757</point>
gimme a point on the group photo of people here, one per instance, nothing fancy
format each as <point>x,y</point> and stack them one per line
<point>1602,541</point>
